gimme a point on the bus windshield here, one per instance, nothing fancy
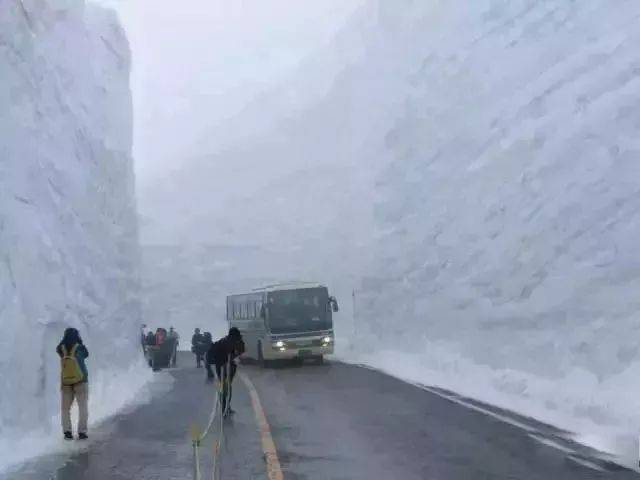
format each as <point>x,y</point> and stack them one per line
<point>302,310</point>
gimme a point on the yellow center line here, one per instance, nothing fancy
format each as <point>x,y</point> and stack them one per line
<point>274,472</point>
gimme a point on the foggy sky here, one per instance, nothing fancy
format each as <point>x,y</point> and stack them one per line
<point>196,63</point>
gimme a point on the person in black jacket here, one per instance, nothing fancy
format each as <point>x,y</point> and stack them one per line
<point>196,340</point>
<point>223,354</point>
<point>204,345</point>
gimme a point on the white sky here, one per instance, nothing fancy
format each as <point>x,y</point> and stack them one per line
<point>196,62</point>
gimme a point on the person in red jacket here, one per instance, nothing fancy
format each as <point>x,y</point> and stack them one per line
<point>161,335</point>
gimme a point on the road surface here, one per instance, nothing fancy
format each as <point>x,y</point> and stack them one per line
<point>332,421</point>
<point>153,442</point>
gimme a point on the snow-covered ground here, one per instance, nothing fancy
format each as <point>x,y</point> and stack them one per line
<point>69,252</point>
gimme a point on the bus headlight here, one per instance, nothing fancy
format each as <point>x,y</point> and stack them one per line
<point>327,340</point>
<point>279,344</point>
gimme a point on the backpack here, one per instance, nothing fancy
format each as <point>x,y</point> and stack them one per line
<point>71,371</point>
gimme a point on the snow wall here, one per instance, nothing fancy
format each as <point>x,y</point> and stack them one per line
<point>505,261</point>
<point>69,252</point>
<point>471,171</point>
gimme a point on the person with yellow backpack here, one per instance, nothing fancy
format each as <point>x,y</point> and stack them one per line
<point>74,382</point>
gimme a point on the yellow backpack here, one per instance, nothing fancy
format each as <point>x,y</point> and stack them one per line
<point>71,371</point>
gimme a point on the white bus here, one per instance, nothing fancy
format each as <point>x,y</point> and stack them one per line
<point>292,321</point>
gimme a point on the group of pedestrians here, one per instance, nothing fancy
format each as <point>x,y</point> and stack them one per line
<point>161,338</point>
<point>221,355</point>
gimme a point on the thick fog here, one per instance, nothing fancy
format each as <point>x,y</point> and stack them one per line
<point>469,173</point>
<point>227,195</point>
<point>199,63</point>
<point>465,181</point>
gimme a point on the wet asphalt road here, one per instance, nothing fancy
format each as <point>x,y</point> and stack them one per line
<point>332,421</point>
<point>153,442</point>
<point>345,422</point>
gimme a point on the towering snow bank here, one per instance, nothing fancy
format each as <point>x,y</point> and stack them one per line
<point>68,231</point>
<point>506,254</point>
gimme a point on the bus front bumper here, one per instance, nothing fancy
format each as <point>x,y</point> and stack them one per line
<point>288,353</point>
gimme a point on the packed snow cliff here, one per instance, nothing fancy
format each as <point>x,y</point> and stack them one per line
<point>507,209</point>
<point>68,228</point>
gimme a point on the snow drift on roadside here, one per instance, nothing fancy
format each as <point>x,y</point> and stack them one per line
<point>68,231</point>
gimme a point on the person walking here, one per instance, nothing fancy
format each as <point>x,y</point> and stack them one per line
<point>205,344</point>
<point>175,338</point>
<point>74,382</point>
<point>223,354</point>
<point>196,341</point>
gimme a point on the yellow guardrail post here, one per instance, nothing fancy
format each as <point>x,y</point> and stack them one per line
<point>195,441</point>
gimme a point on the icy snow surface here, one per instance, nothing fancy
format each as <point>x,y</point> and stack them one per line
<point>68,230</point>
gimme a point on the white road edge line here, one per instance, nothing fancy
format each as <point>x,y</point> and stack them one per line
<point>534,433</point>
<point>551,443</point>
<point>586,463</point>
<point>471,406</point>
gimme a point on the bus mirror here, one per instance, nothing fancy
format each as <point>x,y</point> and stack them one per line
<point>334,304</point>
